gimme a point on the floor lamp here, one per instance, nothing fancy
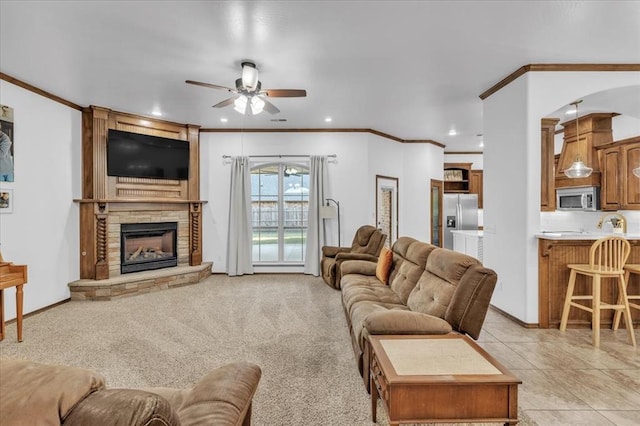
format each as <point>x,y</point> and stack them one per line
<point>330,213</point>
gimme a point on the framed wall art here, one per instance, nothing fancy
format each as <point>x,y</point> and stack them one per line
<point>6,200</point>
<point>6,144</point>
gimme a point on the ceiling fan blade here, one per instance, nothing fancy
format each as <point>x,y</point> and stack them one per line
<point>284,93</point>
<point>269,107</point>
<point>226,102</point>
<point>211,86</point>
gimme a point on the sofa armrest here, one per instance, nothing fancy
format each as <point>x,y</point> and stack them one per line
<point>356,256</point>
<point>361,267</point>
<point>222,397</point>
<point>332,251</point>
<point>405,322</point>
<point>122,407</point>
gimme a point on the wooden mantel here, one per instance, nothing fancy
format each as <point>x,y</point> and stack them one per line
<point>107,198</point>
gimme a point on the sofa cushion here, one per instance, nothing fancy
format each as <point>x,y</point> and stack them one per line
<point>371,292</point>
<point>449,265</point>
<point>383,268</point>
<point>433,293</point>
<point>128,407</point>
<point>404,322</point>
<point>409,260</point>
<point>40,394</point>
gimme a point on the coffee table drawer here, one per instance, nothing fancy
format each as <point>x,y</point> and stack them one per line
<point>379,380</point>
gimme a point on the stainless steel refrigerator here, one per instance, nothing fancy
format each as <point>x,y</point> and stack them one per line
<point>460,212</point>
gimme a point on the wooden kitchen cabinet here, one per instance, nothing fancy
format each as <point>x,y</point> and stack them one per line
<point>548,164</point>
<point>456,178</point>
<point>620,187</point>
<point>553,277</point>
<point>476,184</point>
<point>595,132</point>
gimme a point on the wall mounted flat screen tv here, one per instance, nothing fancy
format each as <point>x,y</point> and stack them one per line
<point>136,155</point>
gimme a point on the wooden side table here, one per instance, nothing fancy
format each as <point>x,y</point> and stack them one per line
<point>448,378</point>
<point>12,276</point>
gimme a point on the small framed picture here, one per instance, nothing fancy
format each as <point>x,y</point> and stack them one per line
<point>6,200</point>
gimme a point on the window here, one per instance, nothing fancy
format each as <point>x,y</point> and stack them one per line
<point>279,205</point>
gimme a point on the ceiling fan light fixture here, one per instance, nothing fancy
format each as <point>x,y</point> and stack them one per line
<point>257,105</point>
<point>240,104</point>
<point>249,76</point>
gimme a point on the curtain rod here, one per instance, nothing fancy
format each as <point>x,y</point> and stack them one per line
<point>279,156</point>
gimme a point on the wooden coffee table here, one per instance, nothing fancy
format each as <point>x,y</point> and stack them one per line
<point>449,378</point>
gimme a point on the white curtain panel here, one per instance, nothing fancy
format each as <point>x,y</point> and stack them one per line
<point>315,232</point>
<point>239,242</point>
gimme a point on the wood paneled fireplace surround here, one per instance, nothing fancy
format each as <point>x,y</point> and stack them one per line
<point>108,202</point>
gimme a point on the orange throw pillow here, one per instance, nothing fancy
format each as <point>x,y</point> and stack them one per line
<point>384,265</point>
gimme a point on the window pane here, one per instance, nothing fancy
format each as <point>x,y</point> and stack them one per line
<point>265,245</point>
<point>294,244</point>
<point>279,203</point>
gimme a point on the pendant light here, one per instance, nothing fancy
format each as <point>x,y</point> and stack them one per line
<point>578,169</point>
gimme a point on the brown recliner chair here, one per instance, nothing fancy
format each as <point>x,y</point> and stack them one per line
<point>367,244</point>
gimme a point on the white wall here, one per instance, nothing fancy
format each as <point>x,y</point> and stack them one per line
<point>512,175</point>
<point>42,232</point>
<point>360,157</point>
<point>422,162</point>
<point>506,200</point>
<point>476,160</point>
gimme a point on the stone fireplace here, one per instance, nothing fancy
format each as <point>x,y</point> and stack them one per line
<point>148,246</point>
<point>122,221</point>
<point>112,265</point>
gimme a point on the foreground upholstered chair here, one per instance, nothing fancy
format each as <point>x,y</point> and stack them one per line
<point>41,394</point>
<point>366,245</point>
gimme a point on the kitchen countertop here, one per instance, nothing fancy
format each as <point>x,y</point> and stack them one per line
<point>575,235</point>
<point>472,233</point>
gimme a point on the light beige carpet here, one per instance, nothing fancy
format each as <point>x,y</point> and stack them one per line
<point>291,325</point>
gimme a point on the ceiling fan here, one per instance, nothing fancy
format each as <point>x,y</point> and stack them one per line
<point>249,95</point>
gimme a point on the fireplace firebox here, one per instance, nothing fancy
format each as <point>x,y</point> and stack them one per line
<point>147,246</point>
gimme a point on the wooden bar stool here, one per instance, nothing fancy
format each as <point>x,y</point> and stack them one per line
<point>607,258</point>
<point>629,269</point>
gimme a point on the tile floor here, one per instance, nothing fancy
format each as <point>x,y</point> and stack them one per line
<point>566,381</point>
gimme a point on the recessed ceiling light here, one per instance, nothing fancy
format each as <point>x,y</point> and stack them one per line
<point>452,132</point>
<point>156,113</point>
<point>224,120</point>
<point>481,144</point>
<point>328,120</point>
<point>570,111</point>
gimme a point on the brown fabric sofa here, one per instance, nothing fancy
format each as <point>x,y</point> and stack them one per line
<point>431,290</point>
<point>366,245</point>
<point>40,394</point>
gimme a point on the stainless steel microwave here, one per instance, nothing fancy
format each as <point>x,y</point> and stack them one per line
<point>585,198</point>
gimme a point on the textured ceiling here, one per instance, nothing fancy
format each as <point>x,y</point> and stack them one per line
<point>412,69</point>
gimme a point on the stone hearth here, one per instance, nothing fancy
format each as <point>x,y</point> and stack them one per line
<point>139,282</point>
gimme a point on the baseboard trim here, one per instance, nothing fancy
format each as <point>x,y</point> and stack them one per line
<point>39,311</point>
<point>514,319</point>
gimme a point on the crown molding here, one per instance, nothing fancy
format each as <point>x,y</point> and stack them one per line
<point>462,152</point>
<point>322,130</point>
<point>556,67</point>
<point>38,91</point>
